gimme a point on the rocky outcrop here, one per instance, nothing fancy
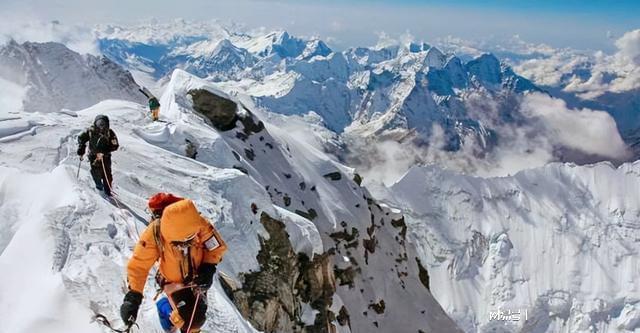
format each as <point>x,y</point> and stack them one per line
<point>224,113</point>
<point>272,298</point>
<point>220,111</point>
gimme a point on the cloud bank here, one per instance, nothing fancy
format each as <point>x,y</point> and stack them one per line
<point>548,131</point>
<point>589,75</point>
<point>76,37</point>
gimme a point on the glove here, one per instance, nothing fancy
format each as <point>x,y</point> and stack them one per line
<point>99,156</point>
<point>81,150</point>
<point>130,305</point>
<point>204,279</point>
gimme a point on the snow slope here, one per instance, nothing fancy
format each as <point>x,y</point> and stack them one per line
<point>56,77</point>
<point>82,242</point>
<point>559,241</point>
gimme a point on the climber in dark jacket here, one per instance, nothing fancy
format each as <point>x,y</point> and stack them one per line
<point>102,141</point>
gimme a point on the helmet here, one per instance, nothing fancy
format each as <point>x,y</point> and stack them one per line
<point>159,201</point>
<point>101,122</point>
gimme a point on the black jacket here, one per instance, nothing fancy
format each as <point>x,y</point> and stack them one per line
<point>103,143</point>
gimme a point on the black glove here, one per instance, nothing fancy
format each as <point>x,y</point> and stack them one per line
<point>81,150</point>
<point>130,305</point>
<point>204,279</point>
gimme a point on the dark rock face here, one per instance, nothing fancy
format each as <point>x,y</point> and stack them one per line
<point>220,111</point>
<point>333,176</point>
<point>271,298</point>
<point>423,274</point>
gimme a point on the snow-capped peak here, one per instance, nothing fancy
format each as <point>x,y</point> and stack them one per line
<point>434,58</point>
<point>59,78</point>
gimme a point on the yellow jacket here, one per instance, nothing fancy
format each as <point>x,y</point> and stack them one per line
<point>186,241</point>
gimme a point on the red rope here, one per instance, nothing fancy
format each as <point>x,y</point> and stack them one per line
<point>194,311</point>
<point>106,178</point>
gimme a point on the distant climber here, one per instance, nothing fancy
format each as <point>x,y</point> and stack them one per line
<point>190,149</point>
<point>154,104</point>
<point>188,248</point>
<point>102,142</point>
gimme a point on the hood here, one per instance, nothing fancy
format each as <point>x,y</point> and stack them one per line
<point>180,221</point>
<point>101,117</point>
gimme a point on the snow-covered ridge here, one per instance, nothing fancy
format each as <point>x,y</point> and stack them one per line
<point>249,180</point>
<point>560,242</point>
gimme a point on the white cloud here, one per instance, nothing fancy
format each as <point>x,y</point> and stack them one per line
<point>589,131</point>
<point>629,47</point>
<point>617,72</point>
<point>11,95</point>
<point>22,29</point>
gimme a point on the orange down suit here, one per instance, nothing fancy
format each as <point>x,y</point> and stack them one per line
<point>180,222</point>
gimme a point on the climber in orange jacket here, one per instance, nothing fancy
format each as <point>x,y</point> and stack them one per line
<point>188,248</point>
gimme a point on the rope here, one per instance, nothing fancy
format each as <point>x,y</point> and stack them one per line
<point>106,178</point>
<point>195,305</point>
<point>104,321</point>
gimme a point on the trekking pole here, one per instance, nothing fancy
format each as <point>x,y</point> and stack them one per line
<point>79,164</point>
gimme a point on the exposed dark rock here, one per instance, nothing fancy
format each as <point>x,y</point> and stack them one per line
<point>190,150</point>
<point>352,245</point>
<point>221,112</point>
<point>254,208</point>
<point>370,247</point>
<point>345,276</point>
<point>370,244</point>
<point>344,235</point>
<point>287,200</point>
<point>333,176</point>
<point>242,136</point>
<point>269,145</point>
<point>287,175</point>
<point>250,125</point>
<point>236,155</point>
<point>242,169</point>
<point>402,225</point>
<point>316,286</point>
<point>357,179</point>
<point>271,298</point>
<point>311,214</point>
<point>378,307</point>
<point>343,317</point>
<point>249,154</point>
<point>423,275</point>
<point>302,186</point>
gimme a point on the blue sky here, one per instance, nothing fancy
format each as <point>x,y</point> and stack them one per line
<point>568,23</point>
